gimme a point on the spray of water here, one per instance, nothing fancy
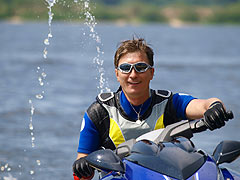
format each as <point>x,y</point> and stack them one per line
<point>41,73</point>
<point>91,23</point>
<point>41,77</point>
<point>9,177</point>
<point>6,168</point>
<point>31,123</point>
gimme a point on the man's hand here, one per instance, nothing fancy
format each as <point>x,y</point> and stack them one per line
<point>82,169</point>
<point>215,116</point>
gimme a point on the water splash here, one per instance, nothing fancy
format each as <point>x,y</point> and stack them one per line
<point>38,162</point>
<point>31,123</point>
<point>91,23</point>
<point>10,177</point>
<point>41,78</point>
<point>6,168</point>
<point>31,129</point>
<point>46,42</point>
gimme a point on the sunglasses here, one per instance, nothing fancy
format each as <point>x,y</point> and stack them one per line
<point>139,67</point>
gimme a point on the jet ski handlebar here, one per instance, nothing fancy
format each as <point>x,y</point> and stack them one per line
<point>184,128</point>
<point>199,125</point>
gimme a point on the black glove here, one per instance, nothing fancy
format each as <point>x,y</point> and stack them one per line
<point>215,116</point>
<point>82,169</point>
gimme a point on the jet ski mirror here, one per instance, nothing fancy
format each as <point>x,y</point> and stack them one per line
<point>105,159</point>
<point>226,151</point>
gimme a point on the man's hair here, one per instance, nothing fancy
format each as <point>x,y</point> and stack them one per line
<point>134,45</point>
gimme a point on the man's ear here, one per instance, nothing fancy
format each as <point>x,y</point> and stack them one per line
<point>152,71</point>
<point>116,73</point>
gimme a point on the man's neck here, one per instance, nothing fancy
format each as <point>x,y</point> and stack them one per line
<point>137,100</point>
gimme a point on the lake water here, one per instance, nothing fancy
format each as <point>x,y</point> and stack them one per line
<point>200,60</point>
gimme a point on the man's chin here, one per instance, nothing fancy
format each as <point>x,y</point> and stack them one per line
<point>133,92</point>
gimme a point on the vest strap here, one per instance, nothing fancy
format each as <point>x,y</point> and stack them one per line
<point>163,93</point>
<point>105,96</point>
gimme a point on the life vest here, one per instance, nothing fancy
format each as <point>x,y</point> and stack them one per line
<point>115,126</point>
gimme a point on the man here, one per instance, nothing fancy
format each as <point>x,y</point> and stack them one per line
<point>135,108</point>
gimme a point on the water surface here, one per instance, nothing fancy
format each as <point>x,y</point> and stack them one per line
<point>200,60</point>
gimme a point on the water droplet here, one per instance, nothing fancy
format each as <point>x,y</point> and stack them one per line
<point>50,14</point>
<point>2,168</point>
<point>45,53</point>
<point>51,2</point>
<point>40,81</point>
<point>50,35</point>
<point>98,49</point>
<point>86,4</point>
<point>44,74</point>
<point>9,177</point>
<point>31,172</point>
<point>39,96</point>
<point>32,108</point>
<point>38,162</point>
<point>46,42</point>
<point>30,126</point>
<point>98,39</point>
<point>8,169</point>
<point>75,1</point>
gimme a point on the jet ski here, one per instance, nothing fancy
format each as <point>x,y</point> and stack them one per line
<point>167,154</point>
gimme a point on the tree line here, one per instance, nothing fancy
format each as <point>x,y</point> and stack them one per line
<point>134,11</point>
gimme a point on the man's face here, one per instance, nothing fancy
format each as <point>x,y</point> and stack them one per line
<point>134,84</point>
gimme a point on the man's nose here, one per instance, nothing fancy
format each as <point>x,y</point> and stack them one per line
<point>133,73</point>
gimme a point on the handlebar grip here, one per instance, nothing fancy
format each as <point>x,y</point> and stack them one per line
<point>199,125</point>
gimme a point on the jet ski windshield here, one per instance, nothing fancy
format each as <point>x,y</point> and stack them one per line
<point>159,157</point>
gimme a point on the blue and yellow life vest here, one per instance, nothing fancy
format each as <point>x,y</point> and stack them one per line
<point>115,126</point>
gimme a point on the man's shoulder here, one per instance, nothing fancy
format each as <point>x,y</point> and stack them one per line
<point>97,107</point>
<point>96,112</point>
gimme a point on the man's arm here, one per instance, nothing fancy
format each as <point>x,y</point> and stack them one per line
<point>80,155</point>
<point>88,142</point>
<point>197,107</point>
<point>212,110</point>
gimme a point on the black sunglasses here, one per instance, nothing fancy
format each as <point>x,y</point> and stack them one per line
<point>139,67</point>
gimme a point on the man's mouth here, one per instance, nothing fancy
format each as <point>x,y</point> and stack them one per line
<point>134,83</point>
